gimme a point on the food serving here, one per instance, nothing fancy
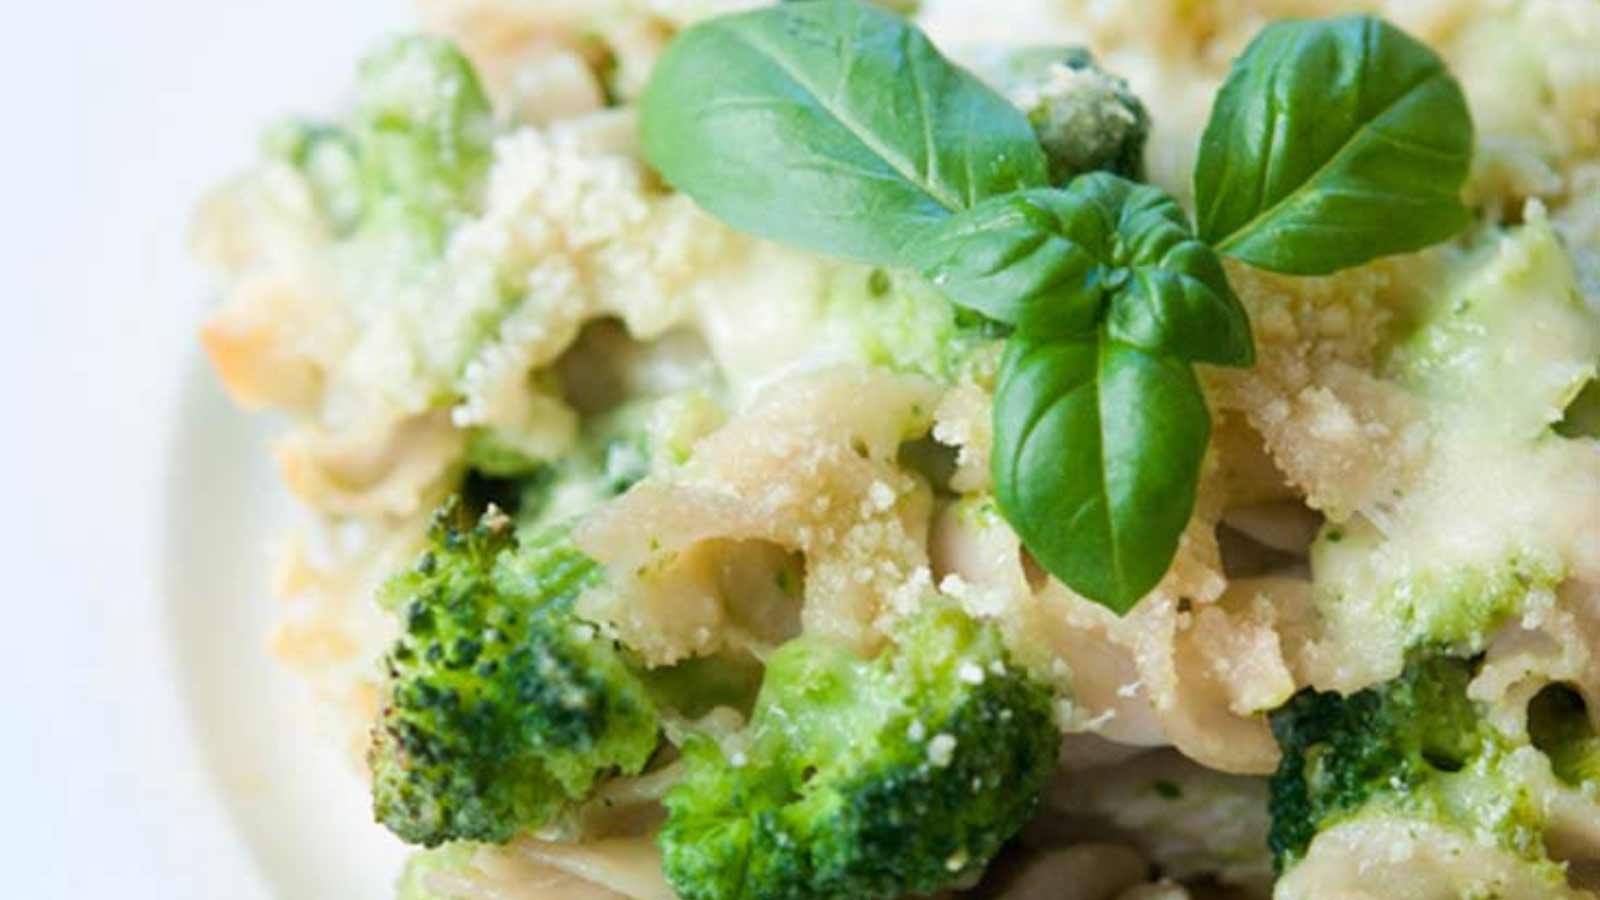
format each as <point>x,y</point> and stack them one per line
<point>1023,449</point>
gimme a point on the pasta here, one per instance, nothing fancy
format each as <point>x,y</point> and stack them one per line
<point>809,468</point>
<point>1189,820</point>
<point>1408,859</point>
<point>1384,483</point>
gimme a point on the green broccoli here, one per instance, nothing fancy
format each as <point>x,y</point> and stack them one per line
<point>502,706</point>
<point>414,155</point>
<point>599,468</point>
<point>424,127</point>
<point>865,778</point>
<point>329,160</point>
<point>1415,746</point>
<point>614,451</point>
<point>1086,118</point>
<point>423,865</point>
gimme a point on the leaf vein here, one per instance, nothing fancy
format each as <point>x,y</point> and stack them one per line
<point>863,135</point>
<point>1244,231</point>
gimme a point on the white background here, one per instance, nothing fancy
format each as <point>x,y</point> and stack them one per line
<point>113,116</point>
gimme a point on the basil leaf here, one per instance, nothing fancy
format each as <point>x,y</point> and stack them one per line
<point>1098,447</point>
<point>1330,144</point>
<point>831,126</point>
<point>1033,250</point>
<point>1049,261</point>
<point>1175,298</point>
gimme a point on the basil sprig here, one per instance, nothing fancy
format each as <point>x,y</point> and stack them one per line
<point>837,127</point>
<point>1100,425</point>
<point>1062,256</point>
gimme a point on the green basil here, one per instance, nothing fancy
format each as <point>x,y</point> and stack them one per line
<point>836,127</point>
<point>1022,252</point>
<point>830,125</point>
<point>1332,143</point>
<point>1060,257</point>
<point>1097,453</point>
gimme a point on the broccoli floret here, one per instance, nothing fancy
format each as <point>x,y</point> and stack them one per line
<point>415,152</point>
<point>502,706</point>
<point>615,450</point>
<point>1338,752</point>
<point>1417,745</point>
<point>415,878</point>
<point>629,421</point>
<point>865,778</point>
<point>1558,723</point>
<point>1086,118</point>
<point>329,160</point>
<point>424,128</point>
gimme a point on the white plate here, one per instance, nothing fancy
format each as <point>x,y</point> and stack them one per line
<point>148,751</point>
<point>292,791</point>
